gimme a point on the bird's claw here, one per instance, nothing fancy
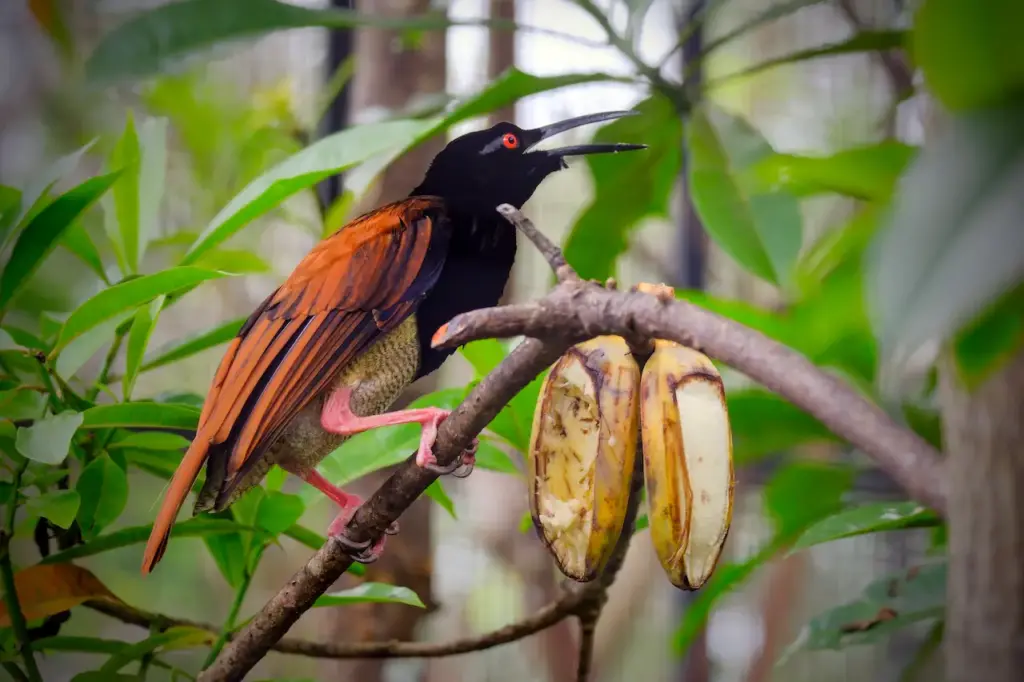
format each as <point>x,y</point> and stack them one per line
<point>363,552</point>
<point>462,467</point>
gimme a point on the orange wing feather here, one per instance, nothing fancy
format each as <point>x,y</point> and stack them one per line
<point>349,290</point>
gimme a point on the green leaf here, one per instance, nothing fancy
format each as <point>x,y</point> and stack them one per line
<point>134,207</point>
<point>874,517</point>
<point>150,440</point>
<point>490,457</point>
<point>868,172</point>
<point>181,349</point>
<point>45,230</point>
<point>886,605</point>
<point>121,206</point>
<point>195,527</point>
<point>35,196</point>
<point>796,496</point>
<point>484,355</point>
<point>76,354</point>
<point>152,179</point>
<point>177,637</point>
<point>835,248</point>
<point>141,414</point>
<point>971,56</point>
<point>647,177</point>
<point>277,511</point>
<point>77,241</point>
<point>760,229</point>
<point>437,493</point>
<point>328,156</point>
<point>803,492</point>
<point>138,339</point>
<point>727,577</point>
<point>229,553</point>
<point>103,487</point>
<point>377,593</point>
<point>765,424</point>
<point>515,421</point>
<point>99,676</point>
<point>948,249</point>
<point>59,506</point>
<point>153,40</point>
<point>513,85</point>
<point>89,645</point>
<point>127,296</point>
<point>236,261</point>
<point>48,439</point>
<point>864,41</point>
<point>10,203</point>
<point>990,341</point>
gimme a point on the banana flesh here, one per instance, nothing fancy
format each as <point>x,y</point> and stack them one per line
<point>582,450</point>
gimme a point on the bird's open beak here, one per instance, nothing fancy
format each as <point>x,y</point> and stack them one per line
<point>544,132</point>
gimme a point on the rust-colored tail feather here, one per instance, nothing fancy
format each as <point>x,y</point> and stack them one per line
<point>181,485</point>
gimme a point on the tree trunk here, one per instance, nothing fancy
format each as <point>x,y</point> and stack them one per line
<point>390,74</point>
<point>983,431</point>
<point>501,46</point>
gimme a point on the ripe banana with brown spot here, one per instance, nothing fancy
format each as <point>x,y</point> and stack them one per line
<point>688,467</point>
<point>582,451</point>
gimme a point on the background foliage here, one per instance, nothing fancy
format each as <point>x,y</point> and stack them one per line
<point>922,264</point>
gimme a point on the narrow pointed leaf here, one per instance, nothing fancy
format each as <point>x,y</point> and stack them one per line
<point>45,230</point>
<point>129,295</point>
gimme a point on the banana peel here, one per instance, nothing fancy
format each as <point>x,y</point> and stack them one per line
<point>583,447</point>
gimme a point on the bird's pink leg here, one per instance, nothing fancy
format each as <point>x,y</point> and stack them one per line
<point>361,552</point>
<point>337,417</point>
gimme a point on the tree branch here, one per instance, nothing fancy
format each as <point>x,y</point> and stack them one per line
<point>572,312</point>
<point>544,618</point>
<point>583,310</point>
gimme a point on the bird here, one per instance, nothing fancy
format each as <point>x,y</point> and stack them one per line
<point>326,354</point>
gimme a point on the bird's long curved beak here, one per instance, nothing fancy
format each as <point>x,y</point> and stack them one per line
<point>544,132</point>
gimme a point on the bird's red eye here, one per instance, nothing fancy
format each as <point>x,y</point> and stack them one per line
<point>510,141</point>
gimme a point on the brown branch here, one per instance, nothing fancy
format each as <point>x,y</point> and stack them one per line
<point>572,312</point>
<point>552,613</point>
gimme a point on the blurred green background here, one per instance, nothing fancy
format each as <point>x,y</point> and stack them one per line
<point>841,175</point>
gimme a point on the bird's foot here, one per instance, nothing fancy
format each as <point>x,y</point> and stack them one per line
<point>359,551</point>
<point>362,552</point>
<point>463,464</point>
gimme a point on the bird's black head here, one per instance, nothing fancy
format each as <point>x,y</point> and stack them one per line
<point>480,170</point>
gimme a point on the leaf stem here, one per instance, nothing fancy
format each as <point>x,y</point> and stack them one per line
<point>236,607</point>
<point>108,363</point>
<point>15,672</point>
<point>17,616</point>
<point>653,75</point>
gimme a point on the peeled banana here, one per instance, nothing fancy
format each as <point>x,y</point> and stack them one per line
<point>582,451</point>
<point>688,468</point>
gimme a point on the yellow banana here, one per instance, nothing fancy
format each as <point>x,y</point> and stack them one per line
<point>582,451</point>
<point>688,468</point>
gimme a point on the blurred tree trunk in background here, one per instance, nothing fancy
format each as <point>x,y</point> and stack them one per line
<point>501,53</point>
<point>983,431</point>
<point>390,74</point>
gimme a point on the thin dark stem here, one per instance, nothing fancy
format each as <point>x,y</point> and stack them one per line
<point>552,254</point>
<point>652,74</point>
<point>236,607</point>
<point>17,616</point>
